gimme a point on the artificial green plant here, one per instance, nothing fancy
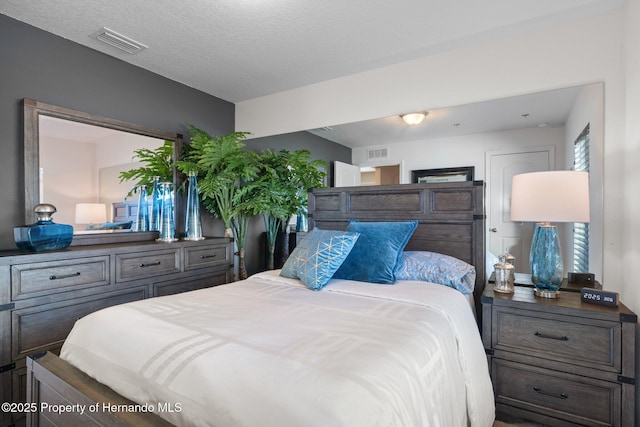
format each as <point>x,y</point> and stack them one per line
<point>281,190</point>
<point>158,162</point>
<point>224,171</point>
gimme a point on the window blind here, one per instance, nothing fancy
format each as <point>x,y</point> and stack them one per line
<point>581,230</point>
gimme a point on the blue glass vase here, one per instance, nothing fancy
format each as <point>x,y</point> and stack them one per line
<point>44,235</point>
<point>142,217</point>
<point>193,224</point>
<point>155,205</point>
<point>167,218</point>
<point>302,223</point>
<point>546,261</point>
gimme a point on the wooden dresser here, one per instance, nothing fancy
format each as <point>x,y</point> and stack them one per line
<point>42,295</point>
<point>560,361</point>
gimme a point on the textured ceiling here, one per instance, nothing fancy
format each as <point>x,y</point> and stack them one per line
<point>242,49</point>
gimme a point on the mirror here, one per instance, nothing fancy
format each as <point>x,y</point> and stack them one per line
<point>542,125</point>
<point>99,149</point>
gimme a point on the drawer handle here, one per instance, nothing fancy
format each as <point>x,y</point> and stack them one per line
<point>207,256</point>
<point>64,276</point>
<point>559,396</point>
<point>149,264</point>
<point>551,337</point>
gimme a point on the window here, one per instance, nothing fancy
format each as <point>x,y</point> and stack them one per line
<point>581,230</point>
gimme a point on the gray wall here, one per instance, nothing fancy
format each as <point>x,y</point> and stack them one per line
<point>38,65</point>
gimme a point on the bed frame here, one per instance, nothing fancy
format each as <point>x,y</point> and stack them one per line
<point>451,218</point>
<point>451,221</point>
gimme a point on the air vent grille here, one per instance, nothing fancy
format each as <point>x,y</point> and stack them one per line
<point>119,41</point>
<point>377,153</point>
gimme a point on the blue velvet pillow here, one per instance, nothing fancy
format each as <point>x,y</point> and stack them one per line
<point>318,255</point>
<point>437,268</point>
<point>377,252</point>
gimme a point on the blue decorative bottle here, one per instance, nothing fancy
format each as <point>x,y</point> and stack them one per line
<point>193,224</point>
<point>44,235</point>
<point>167,219</point>
<point>155,205</point>
<point>142,218</point>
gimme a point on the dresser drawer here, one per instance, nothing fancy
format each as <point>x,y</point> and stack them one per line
<point>30,280</point>
<point>572,398</point>
<point>185,285</point>
<point>574,340</point>
<point>206,256</point>
<point>46,326</point>
<point>150,264</point>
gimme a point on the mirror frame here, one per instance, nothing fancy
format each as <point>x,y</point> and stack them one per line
<point>32,111</point>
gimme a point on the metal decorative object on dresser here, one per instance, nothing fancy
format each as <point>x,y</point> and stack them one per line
<point>560,361</point>
<point>43,294</point>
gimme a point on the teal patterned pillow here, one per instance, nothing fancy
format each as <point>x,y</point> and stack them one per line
<point>376,255</point>
<point>318,255</point>
<point>438,268</point>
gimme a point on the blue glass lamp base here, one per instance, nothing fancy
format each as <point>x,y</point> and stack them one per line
<point>546,261</point>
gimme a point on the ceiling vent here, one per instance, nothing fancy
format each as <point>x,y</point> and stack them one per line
<point>377,153</point>
<point>114,39</point>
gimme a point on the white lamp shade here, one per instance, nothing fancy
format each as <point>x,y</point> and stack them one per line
<point>552,196</point>
<point>91,213</point>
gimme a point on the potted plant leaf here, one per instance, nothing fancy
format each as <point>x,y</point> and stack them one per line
<point>224,169</point>
<point>281,191</point>
<point>158,162</point>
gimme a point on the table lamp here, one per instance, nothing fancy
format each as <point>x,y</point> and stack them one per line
<point>91,213</point>
<point>543,198</point>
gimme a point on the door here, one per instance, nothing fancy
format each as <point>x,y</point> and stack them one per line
<point>346,175</point>
<point>504,234</point>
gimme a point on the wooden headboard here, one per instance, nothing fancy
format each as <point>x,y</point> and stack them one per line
<point>450,216</point>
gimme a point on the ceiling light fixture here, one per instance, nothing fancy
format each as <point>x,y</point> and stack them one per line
<point>413,118</point>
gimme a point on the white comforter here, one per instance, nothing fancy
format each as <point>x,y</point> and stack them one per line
<point>267,351</point>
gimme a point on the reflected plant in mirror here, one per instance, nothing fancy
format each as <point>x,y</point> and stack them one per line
<point>156,163</point>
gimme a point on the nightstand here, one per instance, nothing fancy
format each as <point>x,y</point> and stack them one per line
<point>560,361</point>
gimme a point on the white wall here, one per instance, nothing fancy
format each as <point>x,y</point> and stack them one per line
<point>587,50</point>
<point>65,186</point>
<point>466,150</point>
<point>631,160</point>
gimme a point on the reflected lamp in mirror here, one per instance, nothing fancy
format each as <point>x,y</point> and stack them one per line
<point>543,198</point>
<point>91,214</point>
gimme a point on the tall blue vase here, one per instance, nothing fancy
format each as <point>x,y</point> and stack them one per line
<point>167,218</point>
<point>155,205</point>
<point>142,217</point>
<point>545,260</point>
<point>193,224</point>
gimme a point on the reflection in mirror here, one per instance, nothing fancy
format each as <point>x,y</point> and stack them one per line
<point>98,156</point>
<point>73,157</point>
<point>499,138</point>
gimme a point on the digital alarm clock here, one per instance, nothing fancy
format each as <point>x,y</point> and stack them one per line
<point>596,296</point>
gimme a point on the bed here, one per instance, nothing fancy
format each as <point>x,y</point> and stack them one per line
<point>269,351</point>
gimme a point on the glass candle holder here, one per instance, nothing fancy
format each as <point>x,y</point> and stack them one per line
<point>504,277</point>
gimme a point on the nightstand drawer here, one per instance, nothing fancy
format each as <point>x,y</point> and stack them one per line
<point>151,264</point>
<point>586,342</point>
<point>572,398</point>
